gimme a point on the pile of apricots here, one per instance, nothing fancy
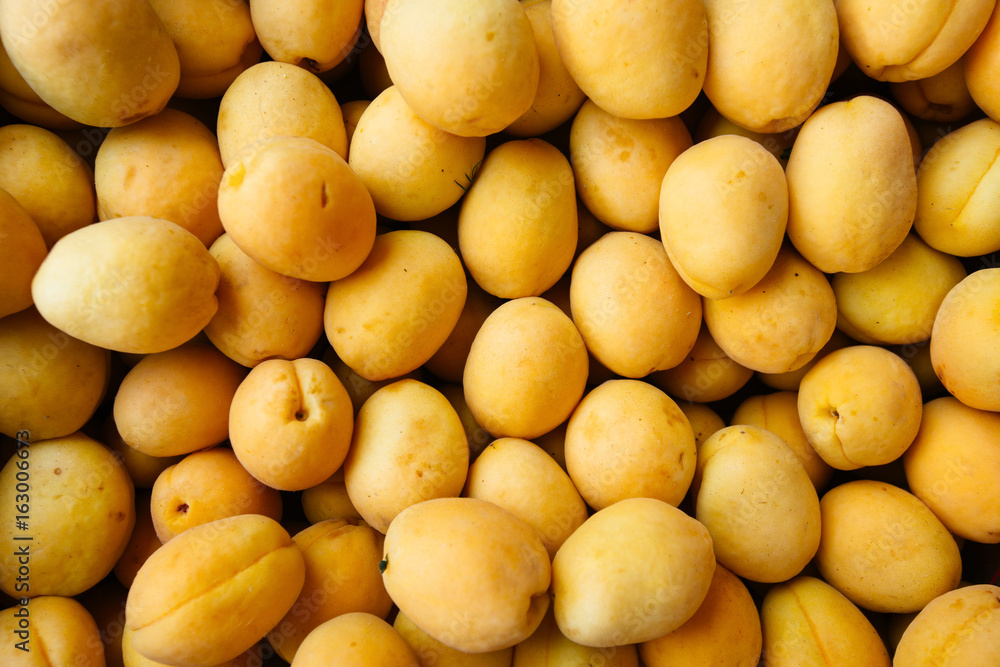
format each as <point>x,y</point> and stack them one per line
<point>427,333</point>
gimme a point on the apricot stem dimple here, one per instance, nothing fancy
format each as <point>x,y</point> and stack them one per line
<point>300,413</point>
<point>183,508</point>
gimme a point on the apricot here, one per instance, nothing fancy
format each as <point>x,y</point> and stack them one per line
<point>851,184</point>
<point>341,577</point>
<point>806,621</point>
<point>979,64</point>
<point>619,164</point>
<point>50,384</point>
<point>262,314</point>
<point>215,42</point>
<point>706,374</point>
<point>956,628</point>
<point>397,309</point>
<point>22,252</point>
<point>105,64</point>
<point>943,97</point>
<point>525,480</point>
<point>860,406</point>
<point>355,639</point>
<point>258,104</point>
<point>61,625</point>
<point>628,439</point>
<point>780,323</point>
<point>526,370</point>
<point>548,647</point>
<point>965,345</point>
<point>558,96</point>
<point>649,62</point>
<point>952,465</point>
<point>704,420</point>
<point>328,500</point>
<point>758,503</point>
<point>632,572</point>
<point>409,446</point>
<point>412,169</point>
<point>166,166</point>
<point>892,43</point>
<point>896,301</point>
<point>632,308</point>
<point>177,402</point>
<point>48,179</point>
<point>956,181</point>
<point>725,630</point>
<point>470,70</point>
<point>80,515</point>
<point>517,226</point>
<point>723,210</point>
<point>763,82</point>
<point>220,586</point>
<point>430,651</point>
<point>498,596</point>
<point>290,423</point>
<point>205,486</point>
<point>314,36</point>
<point>296,207</point>
<point>884,549</point>
<point>100,285</point>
